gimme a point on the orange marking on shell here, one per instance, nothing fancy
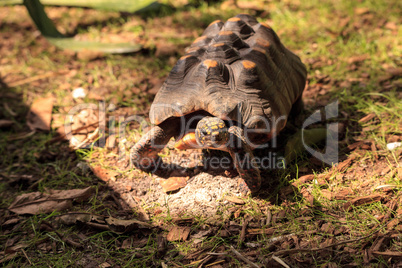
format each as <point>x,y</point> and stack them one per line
<point>248,64</point>
<point>187,142</point>
<point>261,50</point>
<point>263,43</point>
<point>215,21</point>
<point>210,63</point>
<point>225,32</point>
<point>265,25</point>
<point>218,44</point>
<point>199,39</point>
<point>234,19</point>
<point>185,57</point>
<point>193,49</point>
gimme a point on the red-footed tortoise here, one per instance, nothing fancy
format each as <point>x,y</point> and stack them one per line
<point>234,89</point>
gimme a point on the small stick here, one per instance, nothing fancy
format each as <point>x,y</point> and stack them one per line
<point>34,78</point>
<point>243,231</point>
<point>281,262</point>
<point>90,136</point>
<point>297,250</point>
<point>269,217</point>
<point>26,256</point>
<point>252,264</point>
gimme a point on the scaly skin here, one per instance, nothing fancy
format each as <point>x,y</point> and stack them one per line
<point>242,154</point>
<point>144,154</point>
<point>213,133</point>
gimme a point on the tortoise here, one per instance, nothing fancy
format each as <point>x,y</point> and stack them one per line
<point>233,90</point>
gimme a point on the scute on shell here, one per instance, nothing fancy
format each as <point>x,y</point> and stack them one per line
<point>237,70</point>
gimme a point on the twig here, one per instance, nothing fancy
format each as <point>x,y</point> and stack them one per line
<point>75,131</point>
<point>90,137</point>
<point>243,231</point>
<point>269,218</point>
<point>298,250</point>
<point>252,264</point>
<point>9,109</point>
<point>34,78</point>
<point>26,256</point>
<point>281,262</point>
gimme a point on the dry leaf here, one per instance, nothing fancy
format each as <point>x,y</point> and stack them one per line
<point>173,183</point>
<point>104,223</point>
<point>178,233</point>
<point>56,200</point>
<point>40,114</point>
<point>104,174</point>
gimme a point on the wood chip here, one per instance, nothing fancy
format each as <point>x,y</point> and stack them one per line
<point>345,164</point>
<point>235,200</point>
<point>343,194</point>
<point>367,118</point>
<point>359,58</point>
<point>388,254</point>
<point>358,201</point>
<point>326,193</point>
<point>355,145</point>
<point>302,180</point>
<point>173,183</point>
<point>178,234</point>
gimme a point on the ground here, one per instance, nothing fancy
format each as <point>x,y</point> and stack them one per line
<point>74,203</point>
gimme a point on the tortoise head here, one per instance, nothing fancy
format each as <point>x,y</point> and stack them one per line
<point>211,132</point>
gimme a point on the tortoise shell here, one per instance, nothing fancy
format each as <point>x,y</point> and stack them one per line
<point>237,70</point>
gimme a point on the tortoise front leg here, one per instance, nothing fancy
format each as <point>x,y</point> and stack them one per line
<point>144,154</point>
<point>242,154</point>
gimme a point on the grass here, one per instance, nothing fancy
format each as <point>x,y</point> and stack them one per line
<point>312,29</point>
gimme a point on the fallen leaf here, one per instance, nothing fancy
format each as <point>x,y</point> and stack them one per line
<point>361,10</point>
<point>55,200</point>
<point>391,25</point>
<point>178,233</point>
<point>115,225</point>
<point>88,55</point>
<point>123,226</point>
<point>104,174</point>
<point>10,222</point>
<point>358,58</point>
<point>395,71</point>
<point>173,183</point>
<point>40,114</point>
